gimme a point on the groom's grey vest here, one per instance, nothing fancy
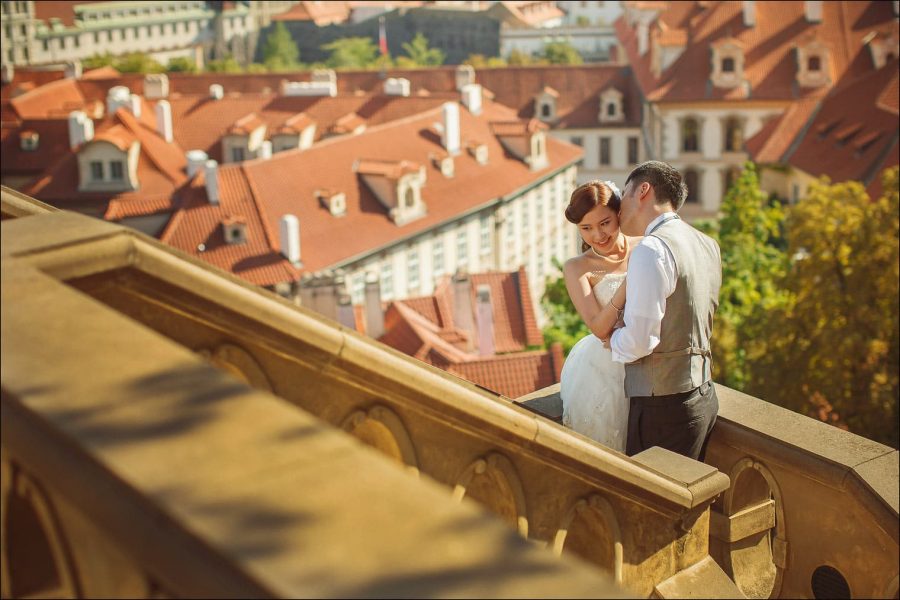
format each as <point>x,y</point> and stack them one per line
<point>681,361</point>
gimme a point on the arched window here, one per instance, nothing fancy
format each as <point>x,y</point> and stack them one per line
<point>611,109</point>
<point>728,65</point>
<point>545,111</point>
<point>690,135</point>
<point>734,135</point>
<point>409,198</point>
<point>692,180</point>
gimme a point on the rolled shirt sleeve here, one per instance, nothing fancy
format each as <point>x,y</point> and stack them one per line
<point>651,279</point>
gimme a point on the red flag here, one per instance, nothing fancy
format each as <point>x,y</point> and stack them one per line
<point>382,37</point>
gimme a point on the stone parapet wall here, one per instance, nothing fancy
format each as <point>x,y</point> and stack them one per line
<point>643,520</point>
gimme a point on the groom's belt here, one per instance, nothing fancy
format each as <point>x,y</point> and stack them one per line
<point>683,352</point>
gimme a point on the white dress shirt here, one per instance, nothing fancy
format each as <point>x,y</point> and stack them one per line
<point>651,279</point>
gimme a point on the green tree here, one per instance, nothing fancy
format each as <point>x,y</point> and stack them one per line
<point>480,61</point>
<point>351,53</point>
<point>99,60</point>
<point>419,52</point>
<point>582,21</point>
<point>754,263</point>
<point>138,62</point>
<point>181,64</point>
<point>258,68</point>
<point>564,325</point>
<point>561,53</point>
<point>224,65</point>
<point>517,58</point>
<point>280,52</point>
<point>833,349</point>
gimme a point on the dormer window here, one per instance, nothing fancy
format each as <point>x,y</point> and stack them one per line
<point>728,63</point>
<point>479,152</point>
<point>335,202</point>
<point>884,48</point>
<point>397,185</point>
<point>545,104</point>
<point>409,198</point>
<point>611,106</point>
<point>813,64</point>
<point>96,171</point>
<point>244,138</point>
<point>525,140</point>
<point>234,229</point>
<point>108,163</point>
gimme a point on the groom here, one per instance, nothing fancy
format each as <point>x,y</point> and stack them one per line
<point>672,292</point>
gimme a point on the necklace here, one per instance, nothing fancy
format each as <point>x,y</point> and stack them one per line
<point>606,258</point>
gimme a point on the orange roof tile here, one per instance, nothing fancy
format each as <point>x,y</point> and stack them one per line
<point>386,168</point>
<point>117,135</point>
<point>246,125</point>
<point>61,96</point>
<point>771,142</point>
<point>512,375</point>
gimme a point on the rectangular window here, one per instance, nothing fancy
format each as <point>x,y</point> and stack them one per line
<point>237,155</point>
<point>116,170</point>
<point>387,279</point>
<point>412,269</point>
<point>632,150</point>
<point>358,289</point>
<point>577,140</point>
<point>96,170</point>
<point>437,256</point>
<point>77,40</point>
<point>46,45</point>
<point>462,246</point>
<point>96,37</point>
<point>605,158</point>
<point>485,235</point>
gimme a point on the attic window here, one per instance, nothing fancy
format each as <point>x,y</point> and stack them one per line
<point>335,202</point>
<point>814,63</point>
<point>409,198</point>
<point>29,140</point>
<point>234,230</point>
<point>728,65</point>
<point>546,110</point>
<point>611,109</point>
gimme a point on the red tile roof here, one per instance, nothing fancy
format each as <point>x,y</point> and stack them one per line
<point>769,47</point>
<point>53,144</point>
<point>423,328</point>
<point>61,96</point>
<point>771,142</point>
<point>61,9</point>
<point>321,13</point>
<point>246,125</point>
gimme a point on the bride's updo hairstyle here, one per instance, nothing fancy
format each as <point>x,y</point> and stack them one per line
<point>586,198</point>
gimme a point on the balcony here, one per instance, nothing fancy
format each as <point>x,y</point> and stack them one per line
<point>171,430</point>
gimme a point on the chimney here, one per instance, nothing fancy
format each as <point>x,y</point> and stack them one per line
<point>216,91</point>
<point>289,236</point>
<point>465,74</point>
<point>643,33</point>
<point>9,71</point>
<point>396,87</point>
<point>265,150</point>
<point>134,105</point>
<point>345,311</point>
<point>117,97</point>
<point>471,98</point>
<point>813,10</point>
<point>749,13</point>
<point>484,317</point>
<point>374,314</point>
<point>196,159</point>
<point>73,70</point>
<point>556,361</point>
<point>326,291</point>
<point>306,290</point>
<point>211,177</point>
<point>450,131</point>
<point>462,306</point>
<point>156,86</point>
<point>81,129</point>
<point>164,120</point>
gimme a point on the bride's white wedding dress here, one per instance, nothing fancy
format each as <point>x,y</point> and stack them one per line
<point>592,386</point>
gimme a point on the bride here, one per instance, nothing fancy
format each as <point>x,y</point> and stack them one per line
<point>592,385</point>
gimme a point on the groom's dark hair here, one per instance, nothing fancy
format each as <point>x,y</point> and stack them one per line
<point>666,181</point>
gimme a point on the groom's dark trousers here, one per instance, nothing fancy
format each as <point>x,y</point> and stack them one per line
<point>678,422</point>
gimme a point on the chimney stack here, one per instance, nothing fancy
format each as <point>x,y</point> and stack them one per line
<point>306,290</point>
<point>81,129</point>
<point>465,74</point>
<point>374,314</point>
<point>73,69</point>
<point>462,306</point>
<point>216,91</point>
<point>289,235</point>
<point>9,71</point>
<point>484,316</point>
<point>156,86</point>
<point>396,87</point>
<point>749,13</point>
<point>164,119</point>
<point>345,311</point>
<point>813,11</point>
<point>211,178</point>
<point>471,98</point>
<point>196,159</point>
<point>450,132</point>
<point>326,289</point>
<point>134,105</point>
<point>117,97</point>
<point>265,150</point>
<point>643,34</point>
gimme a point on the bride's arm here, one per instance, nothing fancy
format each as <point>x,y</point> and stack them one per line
<point>599,319</point>
<point>610,314</point>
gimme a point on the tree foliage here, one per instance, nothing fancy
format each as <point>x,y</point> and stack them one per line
<point>564,325</point>
<point>517,58</point>
<point>181,64</point>
<point>561,53</point>
<point>280,52</point>
<point>228,64</point>
<point>133,62</point>
<point>480,61</point>
<point>832,351</point>
<point>351,53</point>
<point>421,55</point>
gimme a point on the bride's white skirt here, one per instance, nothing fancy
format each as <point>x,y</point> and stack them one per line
<point>592,388</point>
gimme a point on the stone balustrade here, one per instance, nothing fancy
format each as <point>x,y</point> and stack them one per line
<point>811,511</point>
<point>644,519</point>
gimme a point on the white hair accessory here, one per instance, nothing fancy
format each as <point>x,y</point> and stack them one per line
<point>615,190</point>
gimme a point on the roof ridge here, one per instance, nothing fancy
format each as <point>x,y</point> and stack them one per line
<point>260,211</point>
<point>135,128</point>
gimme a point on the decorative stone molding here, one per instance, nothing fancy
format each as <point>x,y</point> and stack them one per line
<point>238,362</point>
<point>813,64</point>
<point>381,428</point>
<point>591,524</point>
<point>493,481</point>
<point>545,104</point>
